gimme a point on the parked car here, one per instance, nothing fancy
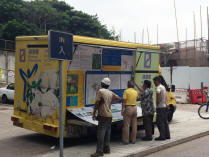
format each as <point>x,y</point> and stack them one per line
<point>7,93</point>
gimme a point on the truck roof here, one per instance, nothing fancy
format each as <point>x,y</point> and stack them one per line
<point>94,41</point>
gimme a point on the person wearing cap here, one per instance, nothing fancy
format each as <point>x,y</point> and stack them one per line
<point>148,108</point>
<point>129,113</point>
<point>161,109</point>
<point>104,99</point>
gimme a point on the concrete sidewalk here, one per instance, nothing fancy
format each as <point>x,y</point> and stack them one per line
<point>186,126</point>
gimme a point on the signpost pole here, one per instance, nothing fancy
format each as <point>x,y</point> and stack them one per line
<point>61,110</point>
<point>202,91</point>
<point>60,48</point>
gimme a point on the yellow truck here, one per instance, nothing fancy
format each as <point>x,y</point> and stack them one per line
<point>36,104</point>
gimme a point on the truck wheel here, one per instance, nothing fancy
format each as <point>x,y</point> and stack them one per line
<point>4,99</point>
<point>170,113</point>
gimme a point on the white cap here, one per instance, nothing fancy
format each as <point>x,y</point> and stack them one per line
<point>106,81</point>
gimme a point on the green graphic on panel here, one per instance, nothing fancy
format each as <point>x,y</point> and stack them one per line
<point>72,84</point>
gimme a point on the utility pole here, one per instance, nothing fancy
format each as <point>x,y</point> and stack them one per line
<point>157,34</point>
<point>201,21</point>
<point>186,47</point>
<point>177,31</point>
<point>120,35</point>
<point>194,29</point>
<point>208,28</point>
<point>194,37</point>
<point>148,35</point>
<point>194,26</point>
<point>135,37</point>
<point>143,36</point>
<point>201,55</point>
<point>186,36</point>
<point>113,32</point>
<point>201,40</point>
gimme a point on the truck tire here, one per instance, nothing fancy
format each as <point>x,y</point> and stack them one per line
<point>4,99</point>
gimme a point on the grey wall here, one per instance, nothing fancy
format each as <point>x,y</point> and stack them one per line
<point>185,76</point>
<point>7,64</point>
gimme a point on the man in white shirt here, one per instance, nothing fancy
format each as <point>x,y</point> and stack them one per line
<point>161,109</point>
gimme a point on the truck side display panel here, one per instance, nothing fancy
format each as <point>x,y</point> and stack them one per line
<point>89,66</point>
<point>36,102</point>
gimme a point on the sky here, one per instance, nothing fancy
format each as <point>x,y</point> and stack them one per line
<point>129,17</point>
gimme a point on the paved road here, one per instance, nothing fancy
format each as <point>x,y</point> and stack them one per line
<point>19,142</point>
<point>195,148</point>
<point>188,107</point>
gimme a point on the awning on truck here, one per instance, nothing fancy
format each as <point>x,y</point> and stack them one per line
<point>85,113</point>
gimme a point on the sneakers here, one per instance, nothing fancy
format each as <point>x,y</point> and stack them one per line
<point>97,154</point>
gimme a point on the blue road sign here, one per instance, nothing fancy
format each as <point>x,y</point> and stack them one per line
<point>60,45</point>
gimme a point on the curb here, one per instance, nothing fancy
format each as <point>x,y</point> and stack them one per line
<point>167,145</point>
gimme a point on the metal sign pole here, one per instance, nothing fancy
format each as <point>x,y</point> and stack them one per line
<point>202,91</point>
<point>61,109</point>
<point>60,48</point>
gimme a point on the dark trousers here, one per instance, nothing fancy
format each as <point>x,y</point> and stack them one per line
<point>147,122</point>
<point>103,134</point>
<point>162,123</point>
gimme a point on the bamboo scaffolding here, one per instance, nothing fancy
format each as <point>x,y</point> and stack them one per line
<point>177,32</point>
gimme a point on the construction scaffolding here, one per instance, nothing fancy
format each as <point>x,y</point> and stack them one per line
<point>194,53</point>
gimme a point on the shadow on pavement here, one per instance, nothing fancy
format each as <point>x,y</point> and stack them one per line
<point>37,144</point>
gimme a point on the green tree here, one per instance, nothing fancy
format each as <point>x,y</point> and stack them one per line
<point>14,28</point>
<point>20,17</point>
<point>10,9</point>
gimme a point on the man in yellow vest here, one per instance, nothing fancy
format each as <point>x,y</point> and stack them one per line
<point>129,113</point>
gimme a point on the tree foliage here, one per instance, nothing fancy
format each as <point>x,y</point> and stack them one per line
<point>36,17</point>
